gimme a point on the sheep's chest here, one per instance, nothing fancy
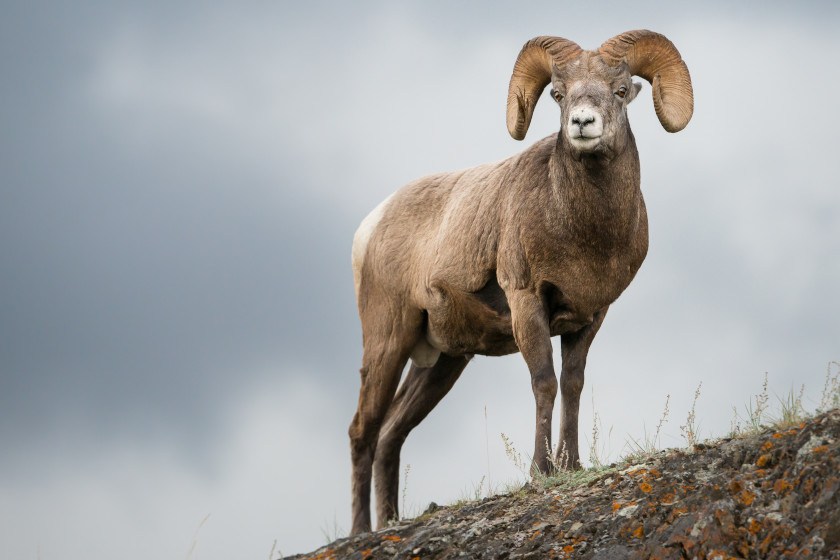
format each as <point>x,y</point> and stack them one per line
<point>585,284</point>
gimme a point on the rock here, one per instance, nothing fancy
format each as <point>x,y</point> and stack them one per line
<point>760,496</point>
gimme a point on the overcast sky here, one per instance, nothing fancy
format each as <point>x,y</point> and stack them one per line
<point>179,187</point>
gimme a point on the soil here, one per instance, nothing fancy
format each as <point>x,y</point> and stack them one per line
<point>765,496</point>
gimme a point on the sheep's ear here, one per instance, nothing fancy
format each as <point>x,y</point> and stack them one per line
<point>634,91</point>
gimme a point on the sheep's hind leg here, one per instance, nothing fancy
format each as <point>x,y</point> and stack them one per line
<point>420,392</point>
<point>574,349</point>
<point>385,355</point>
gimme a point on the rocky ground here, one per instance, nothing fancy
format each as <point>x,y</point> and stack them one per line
<point>771,495</point>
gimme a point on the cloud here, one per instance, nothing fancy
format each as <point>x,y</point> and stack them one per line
<point>178,334</point>
<point>148,498</point>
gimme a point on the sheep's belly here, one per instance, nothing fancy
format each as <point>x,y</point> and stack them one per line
<point>461,322</point>
<point>457,340</point>
<point>565,323</point>
<point>472,323</point>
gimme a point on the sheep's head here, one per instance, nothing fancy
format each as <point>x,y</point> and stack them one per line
<point>593,88</point>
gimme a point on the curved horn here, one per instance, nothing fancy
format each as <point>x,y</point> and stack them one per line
<point>531,73</point>
<point>653,57</point>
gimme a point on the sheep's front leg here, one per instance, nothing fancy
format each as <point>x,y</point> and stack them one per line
<point>574,349</point>
<point>533,336</point>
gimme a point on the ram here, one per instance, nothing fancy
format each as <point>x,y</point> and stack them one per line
<point>501,257</point>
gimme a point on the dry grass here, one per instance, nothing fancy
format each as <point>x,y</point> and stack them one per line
<point>691,428</point>
<point>195,537</point>
<point>648,445</point>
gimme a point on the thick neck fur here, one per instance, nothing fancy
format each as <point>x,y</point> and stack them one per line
<point>599,194</point>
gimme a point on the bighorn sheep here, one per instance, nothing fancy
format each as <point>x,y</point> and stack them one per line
<point>501,257</point>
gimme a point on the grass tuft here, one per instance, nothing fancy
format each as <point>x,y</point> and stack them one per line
<point>648,446</point>
<point>755,414</point>
<point>691,428</point>
<point>515,457</point>
<point>332,532</point>
<point>791,411</point>
<point>596,452</point>
<point>830,397</point>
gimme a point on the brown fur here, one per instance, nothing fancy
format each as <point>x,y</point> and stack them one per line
<point>492,260</point>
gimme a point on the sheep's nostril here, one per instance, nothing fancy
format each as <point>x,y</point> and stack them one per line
<point>583,121</point>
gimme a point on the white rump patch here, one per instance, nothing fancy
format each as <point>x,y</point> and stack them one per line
<point>362,238</point>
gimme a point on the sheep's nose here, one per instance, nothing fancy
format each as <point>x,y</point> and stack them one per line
<point>583,120</point>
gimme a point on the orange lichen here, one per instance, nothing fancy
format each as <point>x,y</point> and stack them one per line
<point>754,526</point>
<point>763,460</point>
<point>782,486</point>
<point>746,497</point>
<point>568,549</point>
<point>639,533</point>
<point>767,445</point>
<point>720,555</point>
<point>645,487</point>
<point>393,538</point>
<point>668,498</point>
<point>676,513</point>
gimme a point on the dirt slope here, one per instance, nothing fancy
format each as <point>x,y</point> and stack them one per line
<point>772,495</point>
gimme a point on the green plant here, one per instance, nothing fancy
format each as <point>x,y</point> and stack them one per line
<point>792,412</point>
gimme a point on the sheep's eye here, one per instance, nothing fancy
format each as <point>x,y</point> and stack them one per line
<point>556,95</point>
<point>622,91</point>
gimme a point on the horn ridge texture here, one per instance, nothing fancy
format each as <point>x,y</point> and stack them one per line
<point>653,57</point>
<point>531,73</point>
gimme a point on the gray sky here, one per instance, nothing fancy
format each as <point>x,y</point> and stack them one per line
<point>180,187</point>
